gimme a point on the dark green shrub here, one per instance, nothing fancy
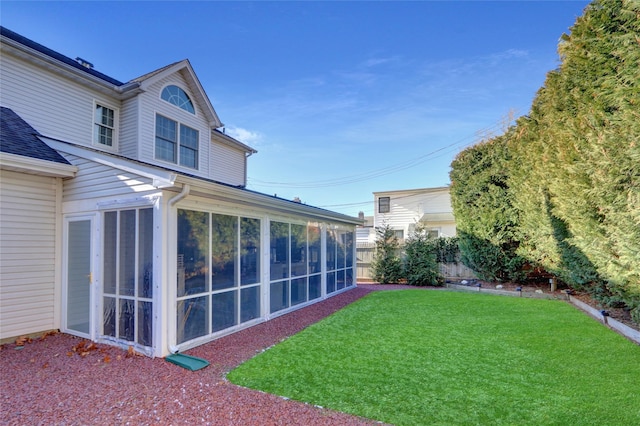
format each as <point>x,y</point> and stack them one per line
<point>420,262</point>
<point>387,264</point>
<point>447,250</point>
<point>635,315</point>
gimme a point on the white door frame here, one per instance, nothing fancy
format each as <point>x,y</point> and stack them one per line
<point>91,276</point>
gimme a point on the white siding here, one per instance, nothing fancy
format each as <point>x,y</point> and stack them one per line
<point>27,253</point>
<point>227,164</point>
<point>407,207</point>
<point>95,181</point>
<point>129,117</point>
<point>54,106</point>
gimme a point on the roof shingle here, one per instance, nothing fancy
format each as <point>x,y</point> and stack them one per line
<point>19,138</point>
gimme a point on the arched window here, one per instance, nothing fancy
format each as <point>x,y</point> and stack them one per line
<point>176,96</point>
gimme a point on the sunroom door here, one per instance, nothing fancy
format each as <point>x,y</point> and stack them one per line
<point>79,277</point>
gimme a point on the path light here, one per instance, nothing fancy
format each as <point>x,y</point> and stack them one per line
<point>605,314</point>
<point>568,292</point>
<point>519,290</point>
<point>479,285</point>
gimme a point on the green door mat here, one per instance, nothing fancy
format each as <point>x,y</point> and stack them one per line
<point>187,361</point>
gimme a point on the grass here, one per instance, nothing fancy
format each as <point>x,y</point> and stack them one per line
<point>418,357</point>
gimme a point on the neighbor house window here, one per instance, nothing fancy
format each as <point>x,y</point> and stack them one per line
<point>178,97</point>
<point>384,205</point>
<point>104,127</point>
<point>176,143</point>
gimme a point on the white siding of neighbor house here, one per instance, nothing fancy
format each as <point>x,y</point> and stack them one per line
<point>150,104</point>
<point>29,91</point>
<point>27,253</point>
<point>407,207</point>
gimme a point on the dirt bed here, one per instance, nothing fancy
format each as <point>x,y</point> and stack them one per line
<point>64,381</point>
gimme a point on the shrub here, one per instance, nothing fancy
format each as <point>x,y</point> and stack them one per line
<point>421,263</point>
<point>387,265</point>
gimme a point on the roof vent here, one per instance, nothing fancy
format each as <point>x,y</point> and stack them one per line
<point>84,63</point>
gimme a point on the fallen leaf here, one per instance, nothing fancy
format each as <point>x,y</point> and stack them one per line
<point>48,333</point>
<point>69,353</point>
<point>45,365</point>
<point>20,341</point>
<point>107,359</point>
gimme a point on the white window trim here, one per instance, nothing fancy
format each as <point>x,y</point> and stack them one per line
<point>116,125</point>
<point>185,90</point>
<point>179,123</point>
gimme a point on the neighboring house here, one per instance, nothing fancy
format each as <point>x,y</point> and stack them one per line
<point>125,218</point>
<point>365,233</point>
<point>402,210</point>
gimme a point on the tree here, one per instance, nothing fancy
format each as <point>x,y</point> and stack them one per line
<point>387,264</point>
<point>421,263</point>
<point>486,220</point>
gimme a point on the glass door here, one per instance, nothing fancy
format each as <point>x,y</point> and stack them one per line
<point>78,276</point>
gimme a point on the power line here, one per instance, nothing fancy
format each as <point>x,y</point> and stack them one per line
<point>383,171</point>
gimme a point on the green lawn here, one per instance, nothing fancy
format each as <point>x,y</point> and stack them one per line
<point>417,357</point>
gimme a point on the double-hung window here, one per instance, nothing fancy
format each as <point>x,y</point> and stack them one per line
<point>384,205</point>
<point>176,143</point>
<point>104,127</point>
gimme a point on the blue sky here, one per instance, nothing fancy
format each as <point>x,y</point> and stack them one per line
<point>341,99</point>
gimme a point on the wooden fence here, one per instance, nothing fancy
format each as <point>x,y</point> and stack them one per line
<point>364,256</point>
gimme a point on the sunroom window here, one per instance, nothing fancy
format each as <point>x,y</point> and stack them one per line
<point>104,127</point>
<point>128,276</point>
<point>339,259</point>
<point>176,143</point>
<point>218,284</point>
<point>295,264</point>
<point>178,97</point>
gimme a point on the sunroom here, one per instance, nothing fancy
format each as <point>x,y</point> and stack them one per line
<point>231,262</point>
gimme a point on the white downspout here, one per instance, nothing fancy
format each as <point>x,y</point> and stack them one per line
<point>185,191</point>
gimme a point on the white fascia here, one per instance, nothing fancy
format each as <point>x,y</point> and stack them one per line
<point>23,164</point>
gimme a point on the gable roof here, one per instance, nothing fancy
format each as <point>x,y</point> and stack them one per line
<point>189,74</point>
<point>19,138</point>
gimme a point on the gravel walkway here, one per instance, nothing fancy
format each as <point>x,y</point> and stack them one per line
<point>47,382</point>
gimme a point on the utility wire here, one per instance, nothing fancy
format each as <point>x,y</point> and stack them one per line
<point>383,171</point>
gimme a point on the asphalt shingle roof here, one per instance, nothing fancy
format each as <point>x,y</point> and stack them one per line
<point>19,138</point>
<point>53,54</point>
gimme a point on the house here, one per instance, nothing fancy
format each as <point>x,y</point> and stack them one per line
<point>125,218</point>
<point>365,233</point>
<point>403,209</point>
